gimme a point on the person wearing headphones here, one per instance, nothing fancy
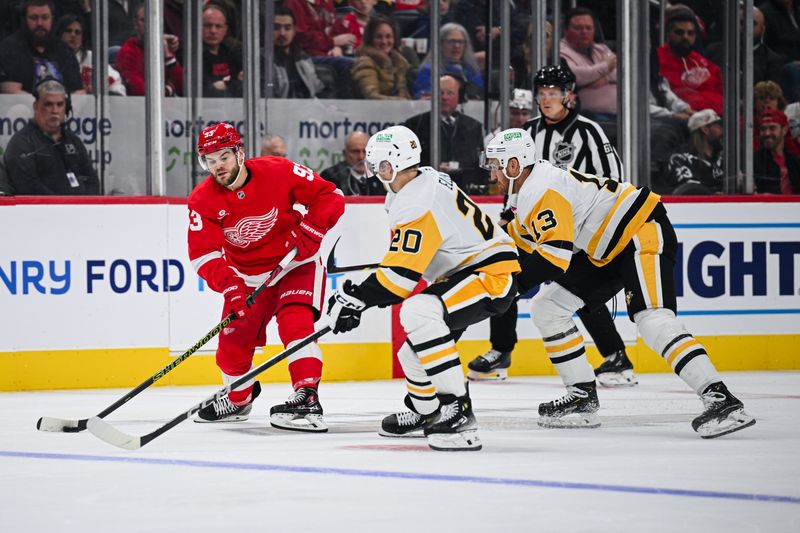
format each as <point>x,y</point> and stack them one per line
<point>461,137</point>
<point>44,157</point>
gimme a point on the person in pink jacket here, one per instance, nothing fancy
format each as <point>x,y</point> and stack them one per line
<point>594,65</point>
<point>692,77</point>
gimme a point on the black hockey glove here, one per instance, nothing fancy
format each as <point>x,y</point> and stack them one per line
<point>345,307</point>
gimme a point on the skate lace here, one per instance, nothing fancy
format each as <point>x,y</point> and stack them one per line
<point>408,418</point>
<point>223,406</point>
<point>298,397</point>
<point>492,355</point>
<point>710,398</point>
<point>573,393</point>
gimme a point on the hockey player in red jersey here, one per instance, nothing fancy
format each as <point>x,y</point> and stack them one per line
<point>242,223</point>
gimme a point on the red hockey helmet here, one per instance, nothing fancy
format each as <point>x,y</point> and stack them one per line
<point>217,137</point>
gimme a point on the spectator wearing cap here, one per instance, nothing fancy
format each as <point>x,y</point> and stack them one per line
<point>775,169</point>
<point>768,95</point>
<point>691,76</point>
<point>594,65</point>
<point>701,161</point>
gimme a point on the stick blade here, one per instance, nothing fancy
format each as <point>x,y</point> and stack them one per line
<point>58,425</point>
<point>105,431</point>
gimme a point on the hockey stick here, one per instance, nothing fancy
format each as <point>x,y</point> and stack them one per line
<point>48,423</point>
<point>105,431</point>
<point>333,269</point>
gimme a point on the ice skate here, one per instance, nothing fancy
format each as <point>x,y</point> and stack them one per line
<point>723,414</point>
<point>301,412</point>
<point>455,428</point>
<point>577,409</point>
<point>223,410</point>
<point>405,424</point>
<point>493,365</point>
<point>616,371</point>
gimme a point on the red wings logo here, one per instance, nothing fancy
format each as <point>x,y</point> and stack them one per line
<point>251,229</point>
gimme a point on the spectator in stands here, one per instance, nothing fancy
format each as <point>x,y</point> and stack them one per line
<point>767,64</point>
<point>70,29</point>
<point>461,137</point>
<point>222,56</point>
<point>130,61</point>
<point>45,157</point>
<point>768,95</point>
<point>354,22</point>
<point>455,57</point>
<point>314,21</point>
<point>695,79</point>
<point>350,174</point>
<point>775,169</point>
<point>594,66</point>
<point>669,116</point>
<point>520,111</point>
<point>472,16</point>
<point>420,28</point>
<point>793,114</point>
<point>701,162</point>
<point>782,34</point>
<point>294,74</point>
<point>273,144</point>
<point>380,70</point>
<point>522,61</point>
<point>34,53</point>
<point>120,26</point>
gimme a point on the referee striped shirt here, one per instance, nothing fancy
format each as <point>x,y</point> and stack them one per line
<point>575,142</point>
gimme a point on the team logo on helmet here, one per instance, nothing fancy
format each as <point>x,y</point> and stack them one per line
<point>512,135</point>
<point>563,154</point>
<point>251,229</point>
<point>384,138</point>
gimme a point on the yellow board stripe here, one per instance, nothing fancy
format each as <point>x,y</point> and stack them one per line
<point>435,356</point>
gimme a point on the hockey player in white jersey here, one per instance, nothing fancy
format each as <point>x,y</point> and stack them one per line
<point>622,233</point>
<point>441,236</point>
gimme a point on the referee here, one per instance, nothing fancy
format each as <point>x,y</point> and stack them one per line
<point>567,139</point>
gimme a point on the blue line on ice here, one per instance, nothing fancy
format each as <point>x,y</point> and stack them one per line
<point>409,475</point>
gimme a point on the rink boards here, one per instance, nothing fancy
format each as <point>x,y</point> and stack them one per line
<point>100,293</point>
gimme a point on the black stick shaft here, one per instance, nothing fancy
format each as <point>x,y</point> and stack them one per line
<point>241,381</point>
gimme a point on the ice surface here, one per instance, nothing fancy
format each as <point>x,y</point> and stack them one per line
<point>645,470</point>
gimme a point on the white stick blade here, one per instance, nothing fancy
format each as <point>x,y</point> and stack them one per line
<point>56,425</point>
<point>105,431</point>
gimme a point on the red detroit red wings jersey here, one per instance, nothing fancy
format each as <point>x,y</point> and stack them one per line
<point>248,229</point>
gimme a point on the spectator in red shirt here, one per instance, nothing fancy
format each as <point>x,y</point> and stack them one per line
<point>314,20</point>
<point>775,169</point>
<point>692,77</point>
<point>130,61</point>
<point>354,22</point>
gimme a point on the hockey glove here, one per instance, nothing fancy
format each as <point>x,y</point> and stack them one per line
<point>236,298</point>
<point>344,308</point>
<point>306,238</point>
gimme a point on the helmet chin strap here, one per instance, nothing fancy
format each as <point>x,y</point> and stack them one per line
<point>239,181</point>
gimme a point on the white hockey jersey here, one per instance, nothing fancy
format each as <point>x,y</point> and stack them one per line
<point>438,231</point>
<point>560,210</point>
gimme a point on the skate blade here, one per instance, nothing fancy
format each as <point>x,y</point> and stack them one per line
<point>416,434</point>
<point>237,418</point>
<point>464,441</point>
<point>626,378</point>
<point>733,422</point>
<point>495,375</point>
<point>571,421</point>
<point>308,423</point>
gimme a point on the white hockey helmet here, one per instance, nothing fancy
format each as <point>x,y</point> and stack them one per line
<point>507,145</point>
<point>391,150</point>
<point>521,99</point>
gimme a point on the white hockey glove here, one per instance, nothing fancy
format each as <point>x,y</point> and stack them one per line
<point>345,308</point>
